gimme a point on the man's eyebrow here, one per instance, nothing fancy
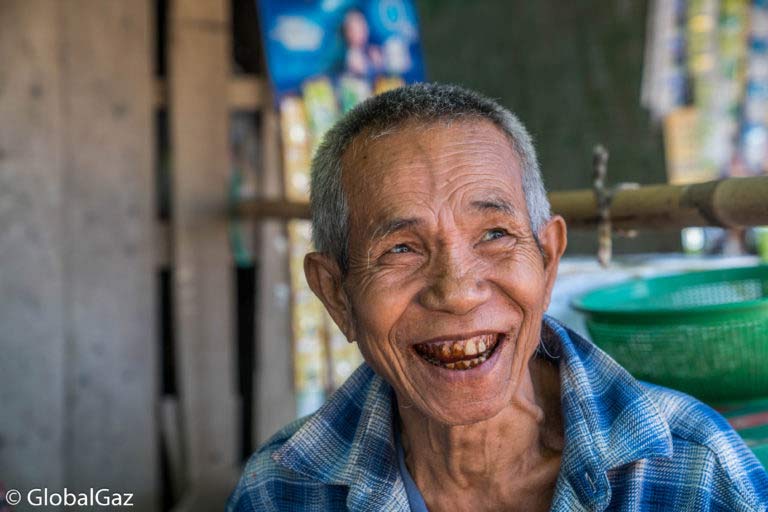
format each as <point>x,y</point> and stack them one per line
<point>394,225</point>
<point>496,204</point>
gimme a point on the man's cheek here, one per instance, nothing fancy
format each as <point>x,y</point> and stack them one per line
<point>525,285</point>
<point>381,305</point>
<point>381,358</point>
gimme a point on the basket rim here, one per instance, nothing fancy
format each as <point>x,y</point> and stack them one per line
<point>582,304</point>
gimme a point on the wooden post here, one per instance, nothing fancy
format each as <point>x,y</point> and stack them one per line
<point>275,395</point>
<point>32,336</point>
<point>106,54</point>
<point>199,71</point>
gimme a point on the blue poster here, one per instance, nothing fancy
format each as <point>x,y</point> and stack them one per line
<point>357,41</point>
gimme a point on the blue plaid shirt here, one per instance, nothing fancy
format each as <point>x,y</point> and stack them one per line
<point>628,446</point>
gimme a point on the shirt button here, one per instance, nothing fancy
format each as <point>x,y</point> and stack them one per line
<point>590,482</point>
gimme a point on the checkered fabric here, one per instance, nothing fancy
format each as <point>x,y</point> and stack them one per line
<point>629,446</point>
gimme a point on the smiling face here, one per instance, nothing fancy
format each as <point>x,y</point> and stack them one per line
<point>446,284</point>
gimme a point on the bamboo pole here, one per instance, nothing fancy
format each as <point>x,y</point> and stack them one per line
<point>730,202</point>
<point>274,209</point>
<point>243,93</point>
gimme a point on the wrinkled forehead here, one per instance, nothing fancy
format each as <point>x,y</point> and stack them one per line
<point>430,157</point>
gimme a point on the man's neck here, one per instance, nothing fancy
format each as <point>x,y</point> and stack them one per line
<point>511,453</point>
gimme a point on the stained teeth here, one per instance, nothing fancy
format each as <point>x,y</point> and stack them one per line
<point>460,353</point>
<point>459,365</point>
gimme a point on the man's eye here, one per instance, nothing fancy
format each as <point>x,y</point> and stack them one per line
<point>494,234</point>
<point>399,249</point>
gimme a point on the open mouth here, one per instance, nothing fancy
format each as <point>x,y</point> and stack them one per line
<point>459,354</point>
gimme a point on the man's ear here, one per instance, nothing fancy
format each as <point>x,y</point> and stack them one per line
<point>553,238</point>
<point>325,279</point>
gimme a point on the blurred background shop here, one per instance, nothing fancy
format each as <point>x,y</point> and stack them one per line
<point>154,159</point>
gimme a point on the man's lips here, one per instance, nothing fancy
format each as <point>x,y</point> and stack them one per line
<point>459,354</point>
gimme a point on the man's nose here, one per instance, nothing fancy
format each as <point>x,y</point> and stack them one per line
<point>455,285</point>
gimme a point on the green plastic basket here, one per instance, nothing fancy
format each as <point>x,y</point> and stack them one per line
<point>704,333</point>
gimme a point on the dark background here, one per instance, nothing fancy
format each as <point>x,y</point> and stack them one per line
<point>571,70</point>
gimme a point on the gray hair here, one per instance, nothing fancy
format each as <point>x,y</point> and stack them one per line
<point>388,111</point>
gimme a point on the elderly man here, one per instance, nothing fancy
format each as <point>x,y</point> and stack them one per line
<point>437,254</point>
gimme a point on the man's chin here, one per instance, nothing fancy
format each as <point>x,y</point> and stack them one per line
<point>462,397</point>
<point>463,412</point>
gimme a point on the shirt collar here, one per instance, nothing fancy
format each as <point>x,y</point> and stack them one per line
<point>349,441</point>
<point>609,421</point>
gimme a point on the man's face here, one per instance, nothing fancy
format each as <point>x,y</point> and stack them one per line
<point>446,285</point>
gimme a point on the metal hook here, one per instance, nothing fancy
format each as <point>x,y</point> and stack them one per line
<point>603,198</point>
